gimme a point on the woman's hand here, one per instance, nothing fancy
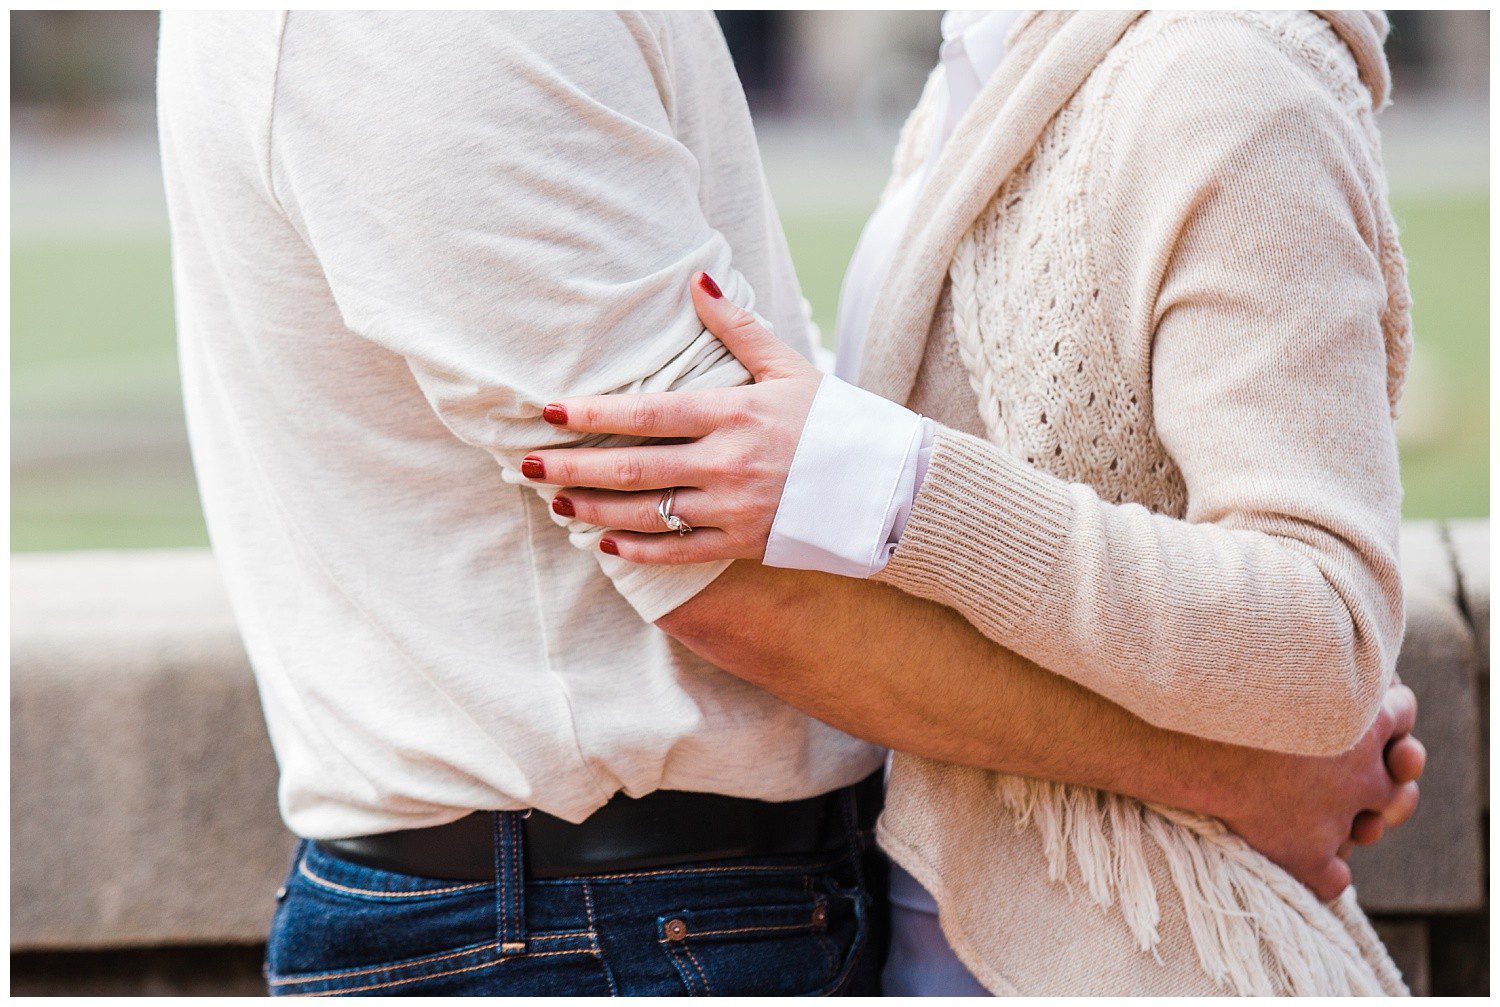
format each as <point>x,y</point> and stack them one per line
<point>728,474</point>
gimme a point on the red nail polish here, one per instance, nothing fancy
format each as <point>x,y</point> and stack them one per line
<point>555,414</point>
<point>608,545</point>
<point>562,505</point>
<point>709,286</point>
<point>531,467</point>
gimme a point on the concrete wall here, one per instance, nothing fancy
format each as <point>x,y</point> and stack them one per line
<point>146,847</point>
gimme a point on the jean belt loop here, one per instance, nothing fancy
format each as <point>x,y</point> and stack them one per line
<point>848,804</point>
<point>510,883</point>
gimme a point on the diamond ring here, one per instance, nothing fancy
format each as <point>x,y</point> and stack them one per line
<point>672,521</point>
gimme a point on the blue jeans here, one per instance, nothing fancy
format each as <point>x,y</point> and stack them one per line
<point>785,925</point>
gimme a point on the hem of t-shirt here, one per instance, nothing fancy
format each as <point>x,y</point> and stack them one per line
<point>653,591</point>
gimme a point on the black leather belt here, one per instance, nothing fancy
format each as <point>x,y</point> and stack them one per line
<point>662,829</point>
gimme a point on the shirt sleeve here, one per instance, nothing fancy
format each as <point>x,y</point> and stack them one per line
<point>507,207</point>
<point>851,485</point>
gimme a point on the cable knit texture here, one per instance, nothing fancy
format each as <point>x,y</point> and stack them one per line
<point>1154,293</point>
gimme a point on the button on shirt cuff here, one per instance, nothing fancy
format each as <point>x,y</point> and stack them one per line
<point>852,482</point>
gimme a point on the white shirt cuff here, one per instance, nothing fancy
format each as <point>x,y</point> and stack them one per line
<point>852,482</point>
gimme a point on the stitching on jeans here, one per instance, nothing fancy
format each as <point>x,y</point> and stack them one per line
<point>829,951</point>
<point>854,960</point>
<point>861,945</point>
<point>707,988</point>
<point>517,890</point>
<point>294,980</point>
<point>789,869</point>
<point>303,869</point>
<point>502,838</point>
<point>851,828</point>
<point>741,930</point>
<point>588,907</point>
<point>849,975</point>
<point>439,975</point>
<point>503,823</point>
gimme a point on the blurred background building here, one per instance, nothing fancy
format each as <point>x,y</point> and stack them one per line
<point>99,455</point>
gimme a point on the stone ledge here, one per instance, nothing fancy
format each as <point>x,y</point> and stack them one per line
<point>143,789</point>
<point>1435,863</point>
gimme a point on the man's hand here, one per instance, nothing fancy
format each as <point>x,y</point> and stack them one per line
<point>1298,811</point>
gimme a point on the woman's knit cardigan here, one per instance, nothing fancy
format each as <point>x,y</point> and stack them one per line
<point>1154,295</point>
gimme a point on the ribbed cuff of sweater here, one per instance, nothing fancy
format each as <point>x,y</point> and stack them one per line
<point>984,533</point>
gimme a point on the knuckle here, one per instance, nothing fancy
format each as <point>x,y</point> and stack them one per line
<point>741,320</point>
<point>738,466</point>
<point>628,472</point>
<point>738,413</point>
<point>645,415</point>
<point>749,546</point>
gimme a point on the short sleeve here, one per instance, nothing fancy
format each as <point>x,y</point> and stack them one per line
<point>519,228</point>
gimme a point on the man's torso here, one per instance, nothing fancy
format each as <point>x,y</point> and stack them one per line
<point>426,638</point>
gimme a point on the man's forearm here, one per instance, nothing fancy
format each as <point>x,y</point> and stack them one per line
<point>914,676</point>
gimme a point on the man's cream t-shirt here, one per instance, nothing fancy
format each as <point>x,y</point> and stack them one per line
<point>396,237</point>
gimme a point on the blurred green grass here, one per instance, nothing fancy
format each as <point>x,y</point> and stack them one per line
<point>98,460</point>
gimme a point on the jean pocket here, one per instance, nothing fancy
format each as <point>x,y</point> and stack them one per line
<point>796,949</point>
<point>341,926</point>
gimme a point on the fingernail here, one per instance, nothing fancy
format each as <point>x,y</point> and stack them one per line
<point>562,505</point>
<point>709,286</point>
<point>555,414</point>
<point>608,545</point>
<point>531,467</point>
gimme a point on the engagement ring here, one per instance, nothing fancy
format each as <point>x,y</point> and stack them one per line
<point>672,521</point>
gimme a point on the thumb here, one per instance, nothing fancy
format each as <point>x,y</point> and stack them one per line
<point>753,345</point>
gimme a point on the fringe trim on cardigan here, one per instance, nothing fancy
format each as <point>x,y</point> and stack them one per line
<point>1256,930</point>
